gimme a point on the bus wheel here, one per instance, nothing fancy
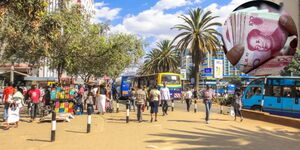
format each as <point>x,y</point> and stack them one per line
<point>256,108</point>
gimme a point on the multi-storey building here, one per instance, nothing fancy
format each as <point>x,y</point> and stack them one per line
<point>207,68</point>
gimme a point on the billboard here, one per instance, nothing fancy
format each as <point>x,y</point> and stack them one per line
<point>183,74</point>
<point>207,70</point>
<point>218,68</point>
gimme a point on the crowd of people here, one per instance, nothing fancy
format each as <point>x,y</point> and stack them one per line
<point>98,98</point>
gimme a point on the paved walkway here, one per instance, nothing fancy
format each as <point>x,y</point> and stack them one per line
<point>179,130</point>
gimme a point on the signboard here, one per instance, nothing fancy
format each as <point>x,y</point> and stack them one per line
<point>207,70</point>
<point>183,74</point>
<point>218,68</point>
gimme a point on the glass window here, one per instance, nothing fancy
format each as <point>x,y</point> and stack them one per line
<point>287,91</point>
<point>170,79</point>
<point>297,94</point>
<point>253,91</point>
<point>257,82</point>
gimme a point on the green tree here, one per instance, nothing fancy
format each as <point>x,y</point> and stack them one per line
<point>198,34</point>
<point>294,66</point>
<point>164,58</point>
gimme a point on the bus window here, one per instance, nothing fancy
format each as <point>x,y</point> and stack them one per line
<point>251,92</point>
<point>170,79</point>
<point>287,91</point>
<point>298,92</point>
<point>275,91</point>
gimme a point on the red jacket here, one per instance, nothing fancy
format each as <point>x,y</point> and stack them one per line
<point>8,91</point>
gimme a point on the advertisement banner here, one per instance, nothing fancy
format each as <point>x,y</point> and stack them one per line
<point>183,74</point>
<point>218,68</point>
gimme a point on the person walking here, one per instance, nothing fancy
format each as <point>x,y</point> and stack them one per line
<point>15,104</point>
<point>155,98</point>
<point>34,95</point>
<point>188,99</point>
<point>7,95</point>
<point>208,95</point>
<point>132,98</point>
<point>165,98</point>
<point>237,104</point>
<point>90,101</point>
<point>140,95</point>
<point>101,99</point>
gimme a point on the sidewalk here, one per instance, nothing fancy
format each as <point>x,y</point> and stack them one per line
<point>179,131</point>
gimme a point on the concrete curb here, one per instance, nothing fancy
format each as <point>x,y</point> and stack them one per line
<point>264,116</point>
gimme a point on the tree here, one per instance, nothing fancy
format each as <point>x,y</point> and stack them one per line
<point>61,33</point>
<point>164,58</point>
<point>294,66</point>
<point>199,36</point>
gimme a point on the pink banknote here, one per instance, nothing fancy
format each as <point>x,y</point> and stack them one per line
<point>272,67</point>
<point>263,39</point>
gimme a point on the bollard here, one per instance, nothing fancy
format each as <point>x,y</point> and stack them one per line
<point>172,105</point>
<point>195,106</point>
<point>89,120</point>
<point>117,106</point>
<point>127,111</point>
<point>53,126</point>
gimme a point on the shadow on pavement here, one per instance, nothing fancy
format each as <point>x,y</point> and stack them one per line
<point>74,131</point>
<point>189,121</point>
<point>212,138</point>
<point>38,140</point>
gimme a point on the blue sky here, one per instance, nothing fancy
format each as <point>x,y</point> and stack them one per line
<point>152,19</point>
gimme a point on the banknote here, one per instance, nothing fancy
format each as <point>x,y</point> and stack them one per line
<point>272,67</point>
<point>263,39</point>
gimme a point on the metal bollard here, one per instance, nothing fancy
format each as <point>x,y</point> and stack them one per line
<point>89,120</point>
<point>172,105</point>
<point>127,111</point>
<point>117,106</point>
<point>53,126</point>
<point>195,106</point>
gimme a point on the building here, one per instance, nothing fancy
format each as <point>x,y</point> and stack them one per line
<point>207,71</point>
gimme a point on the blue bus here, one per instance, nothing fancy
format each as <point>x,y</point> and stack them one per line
<point>277,95</point>
<point>126,84</point>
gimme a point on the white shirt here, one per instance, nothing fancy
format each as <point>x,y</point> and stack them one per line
<point>165,93</point>
<point>189,94</point>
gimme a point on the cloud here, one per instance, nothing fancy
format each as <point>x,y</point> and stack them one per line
<point>224,11</point>
<point>197,1</point>
<point>102,12</point>
<point>169,4</point>
<point>155,23</point>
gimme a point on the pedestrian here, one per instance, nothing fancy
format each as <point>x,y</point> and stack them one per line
<point>155,98</point>
<point>165,98</point>
<point>101,99</point>
<point>15,104</point>
<point>140,95</point>
<point>7,95</point>
<point>208,95</point>
<point>90,101</point>
<point>188,99</point>
<point>34,95</point>
<point>94,91</point>
<point>132,98</point>
<point>47,97</point>
<point>237,104</point>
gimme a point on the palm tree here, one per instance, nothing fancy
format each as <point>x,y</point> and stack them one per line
<point>164,58</point>
<point>199,36</point>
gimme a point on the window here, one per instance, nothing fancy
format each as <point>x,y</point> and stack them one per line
<point>253,91</point>
<point>170,79</point>
<point>287,91</point>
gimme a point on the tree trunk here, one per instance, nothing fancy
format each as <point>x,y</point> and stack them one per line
<point>12,68</point>
<point>196,76</point>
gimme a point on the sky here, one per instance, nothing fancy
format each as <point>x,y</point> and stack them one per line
<point>152,20</point>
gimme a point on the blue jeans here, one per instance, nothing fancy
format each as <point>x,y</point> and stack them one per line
<point>5,110</point>
<point>207,103</point>
<point>165,106</point>
<point>34,109</point>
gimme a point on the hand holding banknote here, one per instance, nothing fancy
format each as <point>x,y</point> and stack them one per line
<point>236,52</point>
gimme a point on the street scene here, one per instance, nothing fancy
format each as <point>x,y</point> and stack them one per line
<point>150,74</point>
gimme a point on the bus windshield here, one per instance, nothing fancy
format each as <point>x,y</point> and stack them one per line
<point>170,79</point>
